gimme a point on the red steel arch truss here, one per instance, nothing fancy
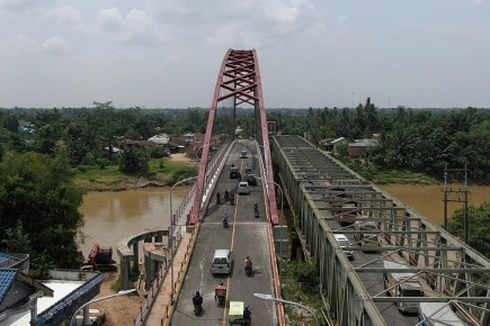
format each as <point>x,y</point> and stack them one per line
<point>238,79</point>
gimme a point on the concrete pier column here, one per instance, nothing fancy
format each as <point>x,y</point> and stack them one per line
<point>125,266</point>
<point>86,316</point>
<point>136,257</point>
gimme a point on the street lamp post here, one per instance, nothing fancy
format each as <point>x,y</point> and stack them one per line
<point>280,188</point>
<point>120,293</point>
<point>171,236</point>
<point>282,214</point>
<point>270,297</point>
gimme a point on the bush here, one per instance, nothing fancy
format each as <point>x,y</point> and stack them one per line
<point>134,160</point>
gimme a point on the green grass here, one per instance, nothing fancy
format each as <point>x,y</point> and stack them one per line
<point>300,284</point>
<point>379,176</point>
<point>93,172</point>
<point>92,178</point>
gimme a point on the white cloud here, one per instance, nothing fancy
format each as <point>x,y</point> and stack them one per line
<point>136,27</point>
<point>19,46</point>
<point>110,20</point>
<point>55,45</point>
<point>65,15</point>
<point>341,19</point>
<point>20,5</point>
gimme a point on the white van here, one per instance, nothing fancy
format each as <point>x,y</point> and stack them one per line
<point>222,262</point>
<point>344,243</point>
<point>243,188</point>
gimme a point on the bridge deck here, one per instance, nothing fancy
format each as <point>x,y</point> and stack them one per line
<point>246,236</point>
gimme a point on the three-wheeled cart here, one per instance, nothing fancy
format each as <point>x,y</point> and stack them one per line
<point>235,314</point>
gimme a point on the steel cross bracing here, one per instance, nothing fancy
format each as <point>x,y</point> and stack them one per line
<point>238,79</point>
<point>327,198</point>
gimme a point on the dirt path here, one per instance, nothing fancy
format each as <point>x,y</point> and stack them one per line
<point>119,310</point>
<point>181,157</point>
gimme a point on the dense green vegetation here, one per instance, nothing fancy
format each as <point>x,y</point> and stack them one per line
<point>39,210</point>
<point>479,227</point>
<point>414,140</point>
<point>300,284</point>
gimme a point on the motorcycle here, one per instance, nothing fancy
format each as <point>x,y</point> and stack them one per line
<point>248,267</point>
<point>197,310</point>
<point>221,300</point>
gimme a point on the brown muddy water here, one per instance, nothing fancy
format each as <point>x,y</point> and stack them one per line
<point>427,200</point>
<point>111,216</point>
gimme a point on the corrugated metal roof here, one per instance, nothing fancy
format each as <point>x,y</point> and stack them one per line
<point>7,279</point>
<point>7,260</point>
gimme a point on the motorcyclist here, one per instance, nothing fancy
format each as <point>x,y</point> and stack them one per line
<point>197,299</point>
<point>225,220</point>
<point>256,207</point>
<point>247,315</point>
<point>248,263</point>
<point>220,292</point>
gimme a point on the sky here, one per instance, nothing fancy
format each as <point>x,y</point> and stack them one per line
<point>166,53</point>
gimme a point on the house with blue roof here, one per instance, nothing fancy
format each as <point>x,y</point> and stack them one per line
<point>26,301</point>
<point>16,288</point>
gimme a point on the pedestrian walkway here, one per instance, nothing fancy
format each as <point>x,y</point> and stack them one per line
<point>162,300</point>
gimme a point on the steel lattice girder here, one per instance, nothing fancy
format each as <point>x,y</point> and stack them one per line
<point>303,190</point>
<point>238,78</point>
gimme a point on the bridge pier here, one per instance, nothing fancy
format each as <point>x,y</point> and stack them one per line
<point>125,268</point>
<point>136,257</point>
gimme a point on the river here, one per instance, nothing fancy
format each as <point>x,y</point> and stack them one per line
<point>428,200</point>
<point>111,216</point>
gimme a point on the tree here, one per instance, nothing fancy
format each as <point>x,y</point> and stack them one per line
<point>479,227</point>
<point>11,123</point>
<point>39,202</point>
<point>133,160</point>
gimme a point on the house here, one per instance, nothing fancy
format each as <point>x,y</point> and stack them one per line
<point>16,289</point>
<point>361,147</point>
<point>26,301</point>
<point>160,139</point>
<point>26,126</point>
<point>330,144</point>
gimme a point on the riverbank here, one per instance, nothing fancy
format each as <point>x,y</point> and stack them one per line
<point>381,176</point>
<point>163,172</point>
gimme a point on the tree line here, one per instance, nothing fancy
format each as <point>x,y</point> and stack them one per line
<point>421,140</point>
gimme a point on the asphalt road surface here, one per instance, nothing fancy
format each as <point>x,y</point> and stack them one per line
<point>246,236</point>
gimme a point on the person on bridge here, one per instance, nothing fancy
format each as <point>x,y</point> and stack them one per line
<point>218,198</point>
<point>247,316</point>
<point>225,221</point>
<point>248,266</point>
<point>227,195</point>
<point>220,293</point>
<point>197,299</point>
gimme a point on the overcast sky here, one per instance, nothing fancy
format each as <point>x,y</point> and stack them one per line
<point>166,53</point>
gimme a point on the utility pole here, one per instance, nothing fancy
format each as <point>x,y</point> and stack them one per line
<point>456,198</point>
